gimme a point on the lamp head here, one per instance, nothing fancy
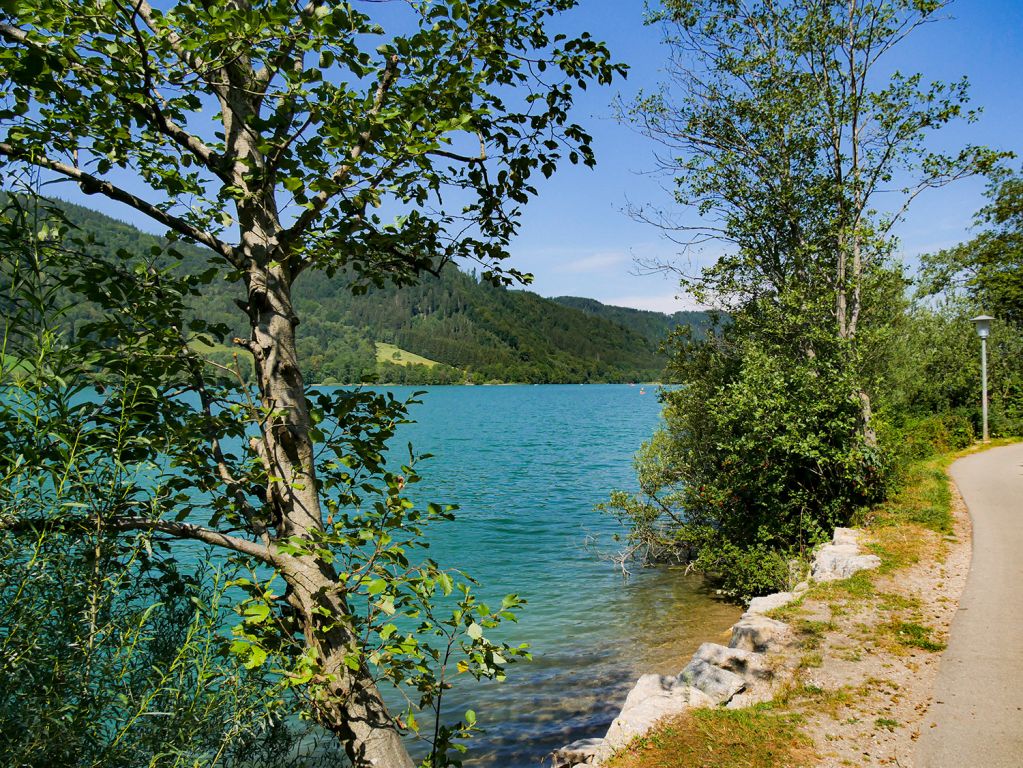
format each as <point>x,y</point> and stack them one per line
<point>983,323</point>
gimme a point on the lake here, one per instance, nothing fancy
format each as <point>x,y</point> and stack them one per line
<point>526,464</point>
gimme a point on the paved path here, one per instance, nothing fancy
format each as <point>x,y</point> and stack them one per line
<point>978,695</point>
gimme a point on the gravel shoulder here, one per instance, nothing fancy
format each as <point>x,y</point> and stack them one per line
<point>871,647</point>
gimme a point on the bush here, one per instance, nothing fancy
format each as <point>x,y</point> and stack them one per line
<point>744,573</point>
<point>925,436</point>
<point>762,455</point>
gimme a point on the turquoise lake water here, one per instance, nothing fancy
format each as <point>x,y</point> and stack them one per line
<point>526,465</point>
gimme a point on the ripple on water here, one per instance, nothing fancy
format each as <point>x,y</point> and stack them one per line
<point>526,465</point>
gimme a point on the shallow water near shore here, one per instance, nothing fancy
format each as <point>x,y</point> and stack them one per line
<point>526,464</point>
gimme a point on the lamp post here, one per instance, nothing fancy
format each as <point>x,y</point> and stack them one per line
<point>983,323</point>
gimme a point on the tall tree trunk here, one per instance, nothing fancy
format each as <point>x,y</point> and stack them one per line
<point>348,702</point>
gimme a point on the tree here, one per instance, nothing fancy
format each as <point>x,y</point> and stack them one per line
<point>338,146</point>
<point>782,135</point>
<point>785,139</point>
<point>985,275</point>
<point>988,269</point>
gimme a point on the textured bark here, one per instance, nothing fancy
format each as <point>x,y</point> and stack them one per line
<point>347,702</point>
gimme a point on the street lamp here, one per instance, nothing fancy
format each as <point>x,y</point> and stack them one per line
<point>983,323</point>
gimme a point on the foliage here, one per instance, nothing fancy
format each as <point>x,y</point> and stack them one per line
<point>340,117</point>
<point>112,663</point>
<point>111,654</point>
<point>985,275</point>
<point>783,134</point>
<point>755,464</point>
<point>925,436</point>
<point>988,269</point>
<point>655,326</point>
<point>289,138</point>
<point>477,332</point>
<point>116,448</point>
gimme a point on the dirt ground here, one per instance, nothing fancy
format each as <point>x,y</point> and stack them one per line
<point>869,660</point>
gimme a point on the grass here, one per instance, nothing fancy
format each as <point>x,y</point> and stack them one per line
<point>207,349</point>
<point>914,635</point>
<point>757,737</point>
<point>805,695</point>
<point>811,633</point>
<point>388,353</point>
<point>886,723</point>
<point>923,498</point>
<point>859,586</point>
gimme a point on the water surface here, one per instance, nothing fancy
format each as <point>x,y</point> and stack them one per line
<point>527,464</point>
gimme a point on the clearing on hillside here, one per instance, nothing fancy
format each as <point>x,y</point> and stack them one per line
<point>388,353</point>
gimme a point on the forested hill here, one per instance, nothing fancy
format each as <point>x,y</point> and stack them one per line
<point>653,325</point>
<point>446,329</point>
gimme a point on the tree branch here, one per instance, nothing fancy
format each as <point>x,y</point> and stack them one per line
<point>186,57</point>
<point>319,202</point>
<point>179,530</point>
<point>191,143</point>
<point>153,113</point>
<point>94,185</point>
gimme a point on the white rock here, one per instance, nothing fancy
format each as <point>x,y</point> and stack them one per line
<point>581,752</point>
<point>754,632</point>
<point>770,602</point>
<point>846,536</point>
<point>720,684</point>
<point>751,697</point>
<point>748,665</point>
<point>840,561</point>
<point>652,698</point>
<point>800,588</point>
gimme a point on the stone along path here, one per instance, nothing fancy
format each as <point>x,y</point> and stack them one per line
<point>976,718</point>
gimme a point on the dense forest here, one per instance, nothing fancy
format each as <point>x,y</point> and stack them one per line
<point>457,327</point>
<point>653,325</point>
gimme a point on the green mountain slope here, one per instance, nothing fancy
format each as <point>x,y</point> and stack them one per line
<point>470,330</point>
<point>654,326</point>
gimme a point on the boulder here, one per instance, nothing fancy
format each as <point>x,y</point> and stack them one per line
<point>748,665</point>
<point>840,561</point>
<point>581,752</point>
<point>755,632</point>
<point>652,698</point>
<point>719,684</point>
<point>846,536</point>
<point>770,602</point>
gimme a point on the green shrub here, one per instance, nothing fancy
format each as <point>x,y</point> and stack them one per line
<point>762,455</point>
<point>922,437</point>
<point>743,573</point>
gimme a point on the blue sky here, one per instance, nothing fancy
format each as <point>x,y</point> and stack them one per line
<point>577,240</point>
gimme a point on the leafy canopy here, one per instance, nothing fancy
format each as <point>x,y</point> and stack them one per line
<point>388,152</point>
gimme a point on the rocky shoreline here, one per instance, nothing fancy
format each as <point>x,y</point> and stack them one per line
<point>758,659</point>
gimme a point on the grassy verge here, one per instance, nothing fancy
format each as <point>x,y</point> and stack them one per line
<point>758,737</point>
<point>916,524</point>
<point>923,502</point>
